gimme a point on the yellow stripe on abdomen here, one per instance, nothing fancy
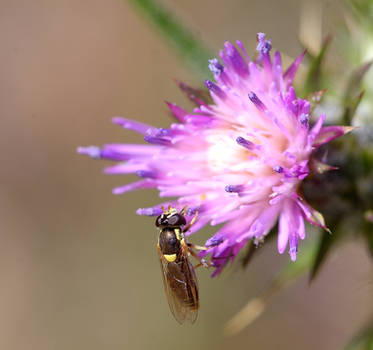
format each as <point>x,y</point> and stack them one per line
<point>170,257</point>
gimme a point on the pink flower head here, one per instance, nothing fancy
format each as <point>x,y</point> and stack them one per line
<point>238,161</point>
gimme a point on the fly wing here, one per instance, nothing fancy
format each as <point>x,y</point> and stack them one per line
<point>181,288</point>
<point>192,283</point>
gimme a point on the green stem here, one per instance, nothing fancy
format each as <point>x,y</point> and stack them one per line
<point>191,49</point>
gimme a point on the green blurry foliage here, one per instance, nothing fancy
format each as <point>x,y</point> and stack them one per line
<point>364,340</point>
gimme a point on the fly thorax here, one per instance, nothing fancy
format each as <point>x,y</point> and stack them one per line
<point>169,241</point>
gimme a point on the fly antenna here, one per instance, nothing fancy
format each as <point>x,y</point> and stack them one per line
<point>184,210</point>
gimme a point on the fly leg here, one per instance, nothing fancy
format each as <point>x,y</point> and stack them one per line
<point>202,261</point>
<point>188,249</point>
<point>187,227</point>
<point>195,246</point>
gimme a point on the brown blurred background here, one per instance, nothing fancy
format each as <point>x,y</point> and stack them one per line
<point>78,268</point>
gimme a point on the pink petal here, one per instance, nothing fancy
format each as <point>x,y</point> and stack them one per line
<point>290,73</point>
<point>314,132</point>
<point>329,133</point>
<point>134,186</point>
<point>133,125</point>
<point>283,231</point>
<point>178,112</point>
<point>312,216</point>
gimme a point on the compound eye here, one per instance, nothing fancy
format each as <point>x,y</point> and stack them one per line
<point>176,220</point>
<point>159,220</point>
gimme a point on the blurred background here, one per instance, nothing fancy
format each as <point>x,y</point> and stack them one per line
<point>78,268</point>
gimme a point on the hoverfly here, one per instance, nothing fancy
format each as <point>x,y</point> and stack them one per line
<point>179,277</point>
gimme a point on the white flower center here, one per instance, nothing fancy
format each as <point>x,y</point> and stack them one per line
<point>225,154</point>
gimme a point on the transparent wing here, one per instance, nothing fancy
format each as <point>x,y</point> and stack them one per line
<point>181,288</point>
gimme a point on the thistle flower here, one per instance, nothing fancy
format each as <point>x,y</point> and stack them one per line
<point>239,160</point>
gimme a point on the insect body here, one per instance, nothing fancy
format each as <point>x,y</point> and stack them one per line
<point>179,277</point>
